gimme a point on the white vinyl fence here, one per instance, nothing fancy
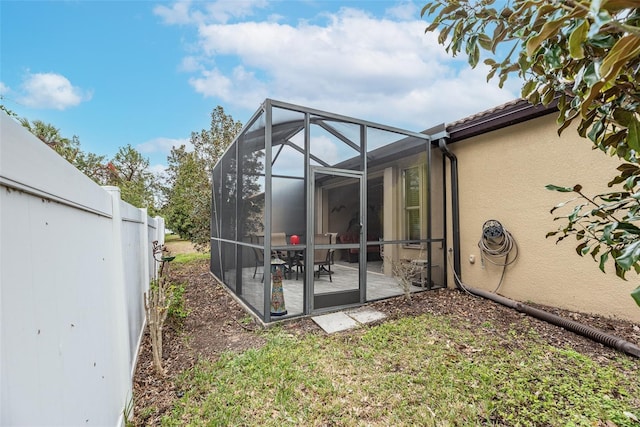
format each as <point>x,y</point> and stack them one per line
<point>75,261</point>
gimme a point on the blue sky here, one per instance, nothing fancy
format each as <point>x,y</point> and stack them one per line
<point>148,73</point>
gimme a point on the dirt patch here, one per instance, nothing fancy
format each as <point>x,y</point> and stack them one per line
<point>217,323</point>
<point>180,247</point>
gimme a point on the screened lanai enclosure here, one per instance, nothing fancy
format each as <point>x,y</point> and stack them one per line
<point>314,211</point>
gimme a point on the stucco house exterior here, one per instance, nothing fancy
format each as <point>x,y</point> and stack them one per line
<point>506,156</point>
<point>314,211</point>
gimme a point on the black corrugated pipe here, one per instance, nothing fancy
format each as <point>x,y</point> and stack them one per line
<point>587,331</point>
<point>455,209</point>
<point>584,330</point>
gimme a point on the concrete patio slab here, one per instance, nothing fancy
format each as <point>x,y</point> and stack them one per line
<point>366,315</point>
<point>343,320</point>
<point>335,322</point>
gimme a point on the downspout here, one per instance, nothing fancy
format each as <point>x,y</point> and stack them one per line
<point>454,208</point>
<point>570,325</point>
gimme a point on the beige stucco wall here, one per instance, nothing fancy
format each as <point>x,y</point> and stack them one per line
<point>502,176</point>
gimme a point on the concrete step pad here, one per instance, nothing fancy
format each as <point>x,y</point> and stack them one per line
<point>344,320</point>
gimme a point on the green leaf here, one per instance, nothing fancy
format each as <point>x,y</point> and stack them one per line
<point>547,31</point>
<point>590,76</point>
<point>628,227</point>
<point>625,48</point>
<point>620,272</point>
<point>554,57</point>
<point>602,41</point>
<point>614,139</point>
<point>586,122</point>
<point>485,41</point>
<point>636,295</point>
<point>498,34</point>
<point>474,55</point>
<point>424,9</point>
<point>559,205</point>
<point>558,188</point>
<point>589,97</point>
<point>548,96</point>
<point>575,213</point>
<point>633,134</point>
<point>629,256</point>
<point>628,168</point>
<point>603,260</point>
<point>442,37</point>
<point>577,37</point>
<point>630,182</point>
<point>607,230</point>
<point>580,249</point>
<point>601,17</point>
<point>616,5</point>
<point>623,117</point>
<point>566,121</point>
<point>596,130</point>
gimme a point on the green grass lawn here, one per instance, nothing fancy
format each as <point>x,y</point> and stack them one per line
<point>413,371</point>
<point>172,238</point>
<point>193,256</point>
<point>183,250</point>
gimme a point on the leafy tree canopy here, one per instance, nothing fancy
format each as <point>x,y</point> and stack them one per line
<point>188,190</point>
<point>584,55</point>
<point>210,144</point>
<point>50,135</point>
<point>128,169</point>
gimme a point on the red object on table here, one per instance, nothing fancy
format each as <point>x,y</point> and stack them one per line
<point>295,239</point>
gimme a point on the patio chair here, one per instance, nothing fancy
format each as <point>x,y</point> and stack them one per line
<point>259,259</point>
<point>323,258</point>
<point>278,239</point>
<point>258,255</point>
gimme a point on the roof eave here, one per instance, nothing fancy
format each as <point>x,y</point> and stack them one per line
<point>517,112</point>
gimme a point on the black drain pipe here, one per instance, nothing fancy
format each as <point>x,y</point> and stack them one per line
<point>455,209</point>
<point>587,331</point>
<point>570,325</point>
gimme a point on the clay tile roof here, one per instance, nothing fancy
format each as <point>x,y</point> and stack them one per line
<point>490,112</point>
<point>509,113</point>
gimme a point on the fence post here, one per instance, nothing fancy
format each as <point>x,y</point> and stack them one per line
<point>120,317</point>
<point>143,284</point>
<point>159,237</point>
<point>145,251</point>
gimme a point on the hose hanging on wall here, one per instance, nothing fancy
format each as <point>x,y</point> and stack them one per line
<point>454,253</point>
<point>496,243</point>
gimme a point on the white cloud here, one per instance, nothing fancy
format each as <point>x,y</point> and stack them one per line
<point>178,13</point>
<point>381,69</point>
<point>239,88</point>
<point>157,169</point>
<point>4,89</point>
<point>404,11</point>
<point>163,145</point>
<point>224,10</point>
<point>221,11</point>
<point>190,64</point>
<point>50,90</point>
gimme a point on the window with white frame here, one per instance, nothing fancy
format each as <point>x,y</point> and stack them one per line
<point>412,214</point>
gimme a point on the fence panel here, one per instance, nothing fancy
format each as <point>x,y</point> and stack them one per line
<point>74,263</point>
<point>133,243</point>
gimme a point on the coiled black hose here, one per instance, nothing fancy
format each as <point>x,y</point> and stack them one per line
<point>495,243</point>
